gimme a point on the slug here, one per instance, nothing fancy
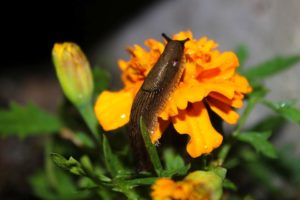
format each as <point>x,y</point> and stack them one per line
<point>151,98</point>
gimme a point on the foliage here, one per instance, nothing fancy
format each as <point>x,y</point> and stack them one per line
<point>102,166</point>
<point>24,121</point>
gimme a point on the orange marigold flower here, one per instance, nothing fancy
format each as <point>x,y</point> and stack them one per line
<point>209,79</point>
<point>198,185</point>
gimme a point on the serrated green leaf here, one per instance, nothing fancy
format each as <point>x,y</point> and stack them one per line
<point>60,161</point>
<point>271,67</point>
<point>259,140</point>
<point>242,53</point>
<point>112,162</point>
<point>70,165</point>
<point>286,109</point>
<point>86,163</point>
<point>27,120</point>
<point>101,79</point>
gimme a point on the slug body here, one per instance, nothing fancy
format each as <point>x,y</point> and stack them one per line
<point>152,96</point>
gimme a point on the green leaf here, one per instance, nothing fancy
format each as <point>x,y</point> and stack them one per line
<point>289,164</point>
<point>227,184</point>
<point>268,123</point>
<point>27,120</point>
<point>286,109</point>
<point>259,91</point>
<point>172,161</point>
<point>141,181</point>
<point>86,163</point>
<point>101,79</point>
<point>242,53</point>
<point>112,162</point>
<point>259,140</point>
<point>248,197</point>
<point>261,173</point>
<point>151,149</point>
<point>64,190</point>
<point>70,165</point>
<point>87,184</point>
<point>84,139</point>
<point>174,164</point>
<point>271,67</point>
<point>220,171</point>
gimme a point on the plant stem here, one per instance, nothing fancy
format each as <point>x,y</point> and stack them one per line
<point>151,149</point>
<point>48,162</point>
<point>88,115</point>
<point>226,147</point>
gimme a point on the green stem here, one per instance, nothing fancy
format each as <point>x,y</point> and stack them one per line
<point>151,149</point>
<point>244,117</point>
<point>48,163</point>
<point>88,115</point>
<point>226,147</point>
<point>129,193</point>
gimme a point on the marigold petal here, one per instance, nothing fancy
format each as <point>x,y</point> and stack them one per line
<point>183,35</point>
<point>236,101</point>
<point>225,88</point>
<point>162,189</point>
<point>223,110</point>
<point>241,83</point>
<point>122,64</point>
<point>225,61</point>
<point>154,45</point>
<point>113,108</point>
<point>190,71</point>
<point>163,124</point>
<point>196,123</point>
<point>190,91</point>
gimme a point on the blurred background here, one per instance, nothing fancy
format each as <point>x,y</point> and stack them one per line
<point>29,30</point>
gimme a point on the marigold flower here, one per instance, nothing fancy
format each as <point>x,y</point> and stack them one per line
<point>198,185</point>
<point>209,80</point>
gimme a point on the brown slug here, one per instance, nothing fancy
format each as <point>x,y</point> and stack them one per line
<point>152,96</point>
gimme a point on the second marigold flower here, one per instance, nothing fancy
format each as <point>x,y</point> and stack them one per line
<point>209,79</point>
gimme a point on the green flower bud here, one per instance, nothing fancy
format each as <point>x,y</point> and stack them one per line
<point>73,72</point>
<point>207,183</point>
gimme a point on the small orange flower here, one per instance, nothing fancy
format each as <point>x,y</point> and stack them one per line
<point>209,79</point>
<point>198,185</point>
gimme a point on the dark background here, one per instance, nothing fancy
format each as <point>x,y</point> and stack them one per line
<point>30,28</point>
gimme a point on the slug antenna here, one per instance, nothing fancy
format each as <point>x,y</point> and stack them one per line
<point>166,37</point>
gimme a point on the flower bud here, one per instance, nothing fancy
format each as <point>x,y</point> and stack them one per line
<point>73,72</point>
<point>200,185</point>
<point>208,184</point>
